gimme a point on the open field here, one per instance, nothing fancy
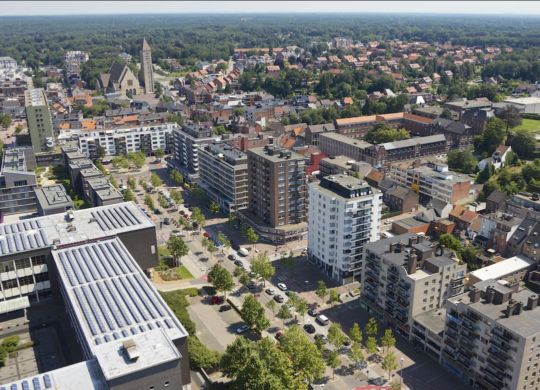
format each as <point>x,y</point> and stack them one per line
<point>529,125</point>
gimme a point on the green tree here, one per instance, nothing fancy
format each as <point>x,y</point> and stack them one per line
<point>128,195</point>
<point>159,153</point>
<point>198,217</point>
<point>251,235</point>
<point>356,353</point>
<point>446,114</point>
<point>155,180</point>
<point>382,133</point>
<point>321,291</point>
<point>214,207</point>
<point>252,313</point>
<point>163,203</point>
<point>485,174</point>
<point>469,257</point>
<point>211,248</point>
<point>336,336</point>
<point>301,307</point>
<point>176,197</point>
<point>355,334</point>
<point>221,279</point>
<point>223,240</point>
<point>136,158</point>
<point>176,177</point>
<point>494,135</point>
<point>200,356</point>
<point>113,181</point>
<point>174,118</point>
<point>307,360</point>
<point>101,151</point>
<point>333,297</point>
<point>333,360</point>
<point>244,278</point>
<point>178,248</point>
<point>232,219</point>
<point>149,202</point>
<point>389,363</point>
<point>262,267</point>
<point>5,120</point>
<point>284,313</point>
<point>372,327</point>
<point>523,143</point>
<point>288,261</point>
<point>462,161</point>
<point>271,304</point>
<point>371,345</point>
<point>131,183</point>
<point>388,340</point>
<point>120,162</point>
<point>449,241</point>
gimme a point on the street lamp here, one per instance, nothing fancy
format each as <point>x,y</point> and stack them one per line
<point>401,373</point>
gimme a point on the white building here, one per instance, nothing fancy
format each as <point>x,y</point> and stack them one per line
<point>7,63</point>
<point>122,141</point>
<point>344,214</point>
<point>527,105</point>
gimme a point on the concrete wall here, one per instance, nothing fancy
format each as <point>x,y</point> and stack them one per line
<point>166,376</point>
<point>140,244</point>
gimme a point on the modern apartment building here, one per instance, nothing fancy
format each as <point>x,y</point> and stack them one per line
<point>52,200</point>
<point>188,140</point>
<point>122,141</point>
<point>408,275</point>
<point>277,194</point>
<point>17,181</point>
<point>223,175</point>
<point>434,181</point>
<point>344,214</point>
<point>39,120</point>
<point>92,261</point>
<point>492,336</point>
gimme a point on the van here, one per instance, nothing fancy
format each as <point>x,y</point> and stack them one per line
<point>243,251</point>
<point>322,319</point>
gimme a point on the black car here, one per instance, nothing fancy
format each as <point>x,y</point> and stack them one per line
<point>157,211</point>
<point>279,298</point>
<point>238,263</point>
<point>309,328</point>
<point>225,308</point>
<point>231,257</point>
<point>167,221</point>
<point>235,246</point>
<point>313,312</point>
<point>378,381</point>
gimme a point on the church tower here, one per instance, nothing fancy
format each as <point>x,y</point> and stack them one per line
<point>146,67</point>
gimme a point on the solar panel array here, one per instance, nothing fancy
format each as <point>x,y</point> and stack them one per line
<point>40,382</point>
<point>22,236</point>
<point>115,218</point>
<point>115,299</point>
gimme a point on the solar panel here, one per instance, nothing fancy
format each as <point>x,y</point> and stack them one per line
<point>122,309</point>
<point>36,384</point>
<point>98,340</point>
<point>89,253</point>
<point>151,296</point>
<point>84,307</point>
<point>106,302</point>
<point>69,271</point>
<point>144,298</point>
<point>87,263</point>
<point>107,338</point>
<point>142,328</point>
<point>134,331</point>
<point>137,304</point>
<point>94,308</point>
<point>125,333</point>
<point>119,259</point>
<point>13,387</point>
<point>102,307</point>
<point>115,336</point>
<point>169,323</point>
<point>124,297</point>
<point>25,385</point>
<point>105,266</point>
<point>47,380</point>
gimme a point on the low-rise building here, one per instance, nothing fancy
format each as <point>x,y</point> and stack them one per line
<point>400,198</point>
<point>344,214</point>
<point>511,270</point>
<point>17,181</point>
<point>52,200</point>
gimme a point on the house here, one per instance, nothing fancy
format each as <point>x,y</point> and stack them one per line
<point>120,79</point>
<point>496,201</point>
<point>400,198</point>
<point>458,135</point>
<point>497,159</point>
<point>467,221</point>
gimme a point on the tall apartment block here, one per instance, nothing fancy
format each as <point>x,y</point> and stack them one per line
<point>277,194</point>
<point>224,176</point>
<point>344,214</point>
<point>39,120</point>
<point>17,181</point>
<point>188,140</point>
<point>492,336</point>
<point>407,275</point>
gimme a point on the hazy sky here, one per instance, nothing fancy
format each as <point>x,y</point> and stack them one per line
<point>145,7</point>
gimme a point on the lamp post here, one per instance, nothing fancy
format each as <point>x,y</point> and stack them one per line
<point>401,372</point>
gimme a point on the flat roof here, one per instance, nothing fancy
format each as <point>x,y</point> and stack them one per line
<point>414,141</point>
<point>345,139</point>
<point>14,159</point>
<point>56,229</point>
<point>502,268</point>
<point>35,97</point>
<point>273,154</point>
<point>523,100</point>
<point>53,196</point>
<point>433,320</point>
<point>111,297</point>
<point>357,119</point>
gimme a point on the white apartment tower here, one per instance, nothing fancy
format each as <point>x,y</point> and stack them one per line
<point>344,214</point>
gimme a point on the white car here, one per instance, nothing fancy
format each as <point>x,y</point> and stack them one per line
<point>282,286</point>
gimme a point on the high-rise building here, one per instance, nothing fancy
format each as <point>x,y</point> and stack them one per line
<point>188,140</point>
<point>147,71</point>
<point>17,181</point>
<point>277,194</point>
<point>344,214</point>
<point>39,120</point>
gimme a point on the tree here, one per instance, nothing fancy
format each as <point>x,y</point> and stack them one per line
<point>493,136</point>
<point>5,120</point>
<point>371,345</point>
<point>389,363</point>
<point>174,118</point>
<point>251,235</point>
<point>333,297</point>
<point>120,162</point>
<point>131,183</point>
<point>176,197</point>
<point>101,151</point>
<point>177,247</point>
<point>271,304</point>
<point>334,361</point>
<point>356,354</point>
<point>211,248</point>
<point>176,177</point>
<point>252,313</point>
<point>372,327</point>
<point>129,196</point>
<point>485,174</point>
<point>355,333</point>
<point>284,313</point>
<point>388,340</point>
<point>469,257</point>
<point>149,202</point>
<point>232,219</point>
<point>336,336</point>
<point>301,307</point>
<point>200,356</point>
<point>382,133</point>
<point>523,143</point>
<point>136,158</point>
<point>113,181</point>
<point>214,207</point>
<point>163,203</point>
<point>446,114</point>
<point>462,160</point>
<point>511,116</point>
<point>307,360</point>
<point>262,267</point>
<point>159,153</point>
<point>288,261</point>
<point>244,278</point>
<point>221,279</point>
<point>155,180</point>
<point>322,291</point>
<point>449,241</point>
<point>198,217</point>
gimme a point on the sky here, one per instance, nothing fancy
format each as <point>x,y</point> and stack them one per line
<point>11,8</point>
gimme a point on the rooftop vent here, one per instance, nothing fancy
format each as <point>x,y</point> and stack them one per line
<point>130,348</point>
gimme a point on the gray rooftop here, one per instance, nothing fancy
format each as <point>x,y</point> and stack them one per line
<point>276,154</point>
<point>348,140</point>
<point>433,320</point>
<point>414,141</point>
<point>228,153</point>
<point>53,196</point>
<point>35,97</point>
<point>15,160</point>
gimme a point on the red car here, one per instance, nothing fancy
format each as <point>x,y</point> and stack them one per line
<point>217,300</point>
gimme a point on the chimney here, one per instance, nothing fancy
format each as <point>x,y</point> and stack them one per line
<point>490,293</point>
<point>411,263</point>
<point>474,294</point>
<point>413,240</point>
<point>532,302</point>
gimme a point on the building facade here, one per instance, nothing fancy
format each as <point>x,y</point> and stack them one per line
<point>39,120</point>
<point>17,181</point>
<point>147,70</point>
<point>188,140</point>
<point>344,214</point>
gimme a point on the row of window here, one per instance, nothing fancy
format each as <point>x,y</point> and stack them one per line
<point>25,280</point>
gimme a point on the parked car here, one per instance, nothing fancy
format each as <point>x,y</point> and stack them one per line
<point>238,263</point>
<point>378,381</point>
<point>321,336</point>
<point>309,328</point>
<point>167,221</point>
<point>232,257</point>
<point>217,300</point>
<point>282,286</point>
<point>157,211</point>
<point>313,312</point>
<point>322,319</point>
<point>251,285</point>
<point>279,298</point>
<point>269,291</point>
<point>243,251</point>
<point>225,308</point>
<point>242,329</point>
<point>278,335</point>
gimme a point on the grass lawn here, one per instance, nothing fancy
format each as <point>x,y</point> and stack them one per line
<point>184,273</point>
<point>529,125</point>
